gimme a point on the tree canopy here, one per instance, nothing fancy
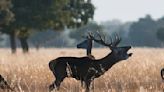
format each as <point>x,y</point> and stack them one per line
<point>39,15</point>
<point>142,32</point>
<point>54,14</point>
<point>160,34</point>
<point>6,15</point>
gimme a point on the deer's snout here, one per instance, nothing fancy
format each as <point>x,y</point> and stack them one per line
<point>127,48</point>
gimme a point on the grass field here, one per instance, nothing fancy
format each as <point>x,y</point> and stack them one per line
<point>30,72</point>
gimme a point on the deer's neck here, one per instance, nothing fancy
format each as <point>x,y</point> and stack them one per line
<point>108,61</point>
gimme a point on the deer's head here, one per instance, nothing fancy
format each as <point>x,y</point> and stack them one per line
<point>120,53</point>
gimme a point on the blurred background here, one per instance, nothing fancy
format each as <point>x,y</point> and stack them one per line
<point>64,23</point>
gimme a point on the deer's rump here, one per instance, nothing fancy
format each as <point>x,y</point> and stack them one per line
<point>78,66</point>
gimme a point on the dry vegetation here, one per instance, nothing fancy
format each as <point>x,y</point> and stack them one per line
<point>30,72</point>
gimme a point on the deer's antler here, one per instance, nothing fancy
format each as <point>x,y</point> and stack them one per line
<point>117,40</point>
<point>101,40</point>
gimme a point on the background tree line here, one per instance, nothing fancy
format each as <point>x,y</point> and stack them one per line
<point>146,32</point>
<point>20,19</point>
<point>63,23</point>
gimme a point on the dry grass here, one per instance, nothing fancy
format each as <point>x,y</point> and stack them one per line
<point>30,72</point>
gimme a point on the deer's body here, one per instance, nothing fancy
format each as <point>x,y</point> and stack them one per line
<point>81,67</point>
<point>85,68</point>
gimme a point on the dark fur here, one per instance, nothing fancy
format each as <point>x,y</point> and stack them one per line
<point>162,74</point>
<point>84,68</point>
<point>4,85</point>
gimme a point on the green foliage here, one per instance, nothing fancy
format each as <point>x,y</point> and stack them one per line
<point>50,14</point>
<point>6,16</point>
<point>44,14</point>
<point>81,11</point>
<point>29,14</point>
<point>160,34</point>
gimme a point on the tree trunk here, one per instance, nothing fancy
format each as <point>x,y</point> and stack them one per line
<point>13,42</point>
<point>24,44</point>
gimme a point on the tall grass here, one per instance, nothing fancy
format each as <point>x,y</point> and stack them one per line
<point>30,72</point>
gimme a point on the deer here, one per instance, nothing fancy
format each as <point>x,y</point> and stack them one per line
<point>4,85</point>
<point>87,44</point>
<point>162,73</point>
<point>86,69</point>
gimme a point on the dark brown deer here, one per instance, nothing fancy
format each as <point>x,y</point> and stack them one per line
<point>87,44</point>
<point>84,68</point>
<point>4,85</point>
<point>162,73</point>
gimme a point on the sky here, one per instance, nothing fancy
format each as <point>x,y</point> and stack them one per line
<point>127,10</point>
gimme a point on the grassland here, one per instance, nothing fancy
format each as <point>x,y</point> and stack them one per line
<point>30,72</point>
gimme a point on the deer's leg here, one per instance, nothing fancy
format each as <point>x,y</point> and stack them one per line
<point>162,74</point>
<point>87,85</point>
<point>56,84</point>
<point>82,84</point>
<point>51,87</point>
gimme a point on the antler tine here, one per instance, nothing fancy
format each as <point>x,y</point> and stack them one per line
<point>98,33</point>
<point>89,33</point>
<point>92,37</point>
<point>88,36</point>
<point>117,40</point>
<point>111,40</point>
<point>104,37</point>
<point>100,40</point>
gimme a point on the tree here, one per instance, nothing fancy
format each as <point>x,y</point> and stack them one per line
<point>81,11</point>
<point>48,14</point>
<point>160,34</point>
<point>7,17</point>
<point>142,32</point>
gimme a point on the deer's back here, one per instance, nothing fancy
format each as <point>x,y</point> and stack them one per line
<point>74,61</point>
